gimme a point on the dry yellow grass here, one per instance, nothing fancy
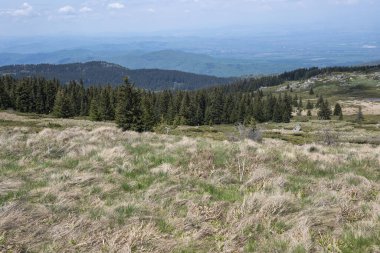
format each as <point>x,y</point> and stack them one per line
<point>89,187</point>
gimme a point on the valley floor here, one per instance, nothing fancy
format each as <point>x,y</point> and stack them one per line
<point>80,186</point>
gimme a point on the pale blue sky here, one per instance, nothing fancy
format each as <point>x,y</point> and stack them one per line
<point>124,17</point>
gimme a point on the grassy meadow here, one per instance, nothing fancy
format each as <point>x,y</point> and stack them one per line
<point>81,186</point>
<point>75,185</point>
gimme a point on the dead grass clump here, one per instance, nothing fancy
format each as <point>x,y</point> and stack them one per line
<point>109,155</point>
<point>7,185</point>
<point>165,169</point>
<point>77,150</point>
<point>269,205</point>
<point>24,223</point>
<point>263,178</point>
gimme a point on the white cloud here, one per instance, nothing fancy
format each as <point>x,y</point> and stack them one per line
<point>116,6</point>
<point>369,46</point>
<point>66,9</point>
<point>151,10</point>
<point>25,10</point>
<point>346,2</point>
<point>85,9</point>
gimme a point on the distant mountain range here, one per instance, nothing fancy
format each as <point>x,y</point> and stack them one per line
<point>164,59</point>
<point>101,73</point>
<point>167,59</point>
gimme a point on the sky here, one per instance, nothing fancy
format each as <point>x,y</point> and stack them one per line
<point>152,17</point>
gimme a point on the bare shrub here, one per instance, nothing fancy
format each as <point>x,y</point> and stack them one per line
<point>328,136</point>
<point>249,133</point>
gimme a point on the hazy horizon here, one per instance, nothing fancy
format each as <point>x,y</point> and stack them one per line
<point>229,37</point>
<point>184,17</point>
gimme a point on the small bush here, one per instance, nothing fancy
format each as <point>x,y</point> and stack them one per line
<point>249,133</point>
<point>313,149</point>
<point>328,137</point>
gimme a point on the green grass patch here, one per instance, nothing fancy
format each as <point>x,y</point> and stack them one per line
<point>124,212</point>
<point>351,243</point>
<point>164,227</point>
<point>229,194</point>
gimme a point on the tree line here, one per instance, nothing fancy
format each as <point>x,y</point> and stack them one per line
<point>140,110</point>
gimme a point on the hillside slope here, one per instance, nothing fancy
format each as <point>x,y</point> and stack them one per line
<point>94,73</point>
<point>80,186</point>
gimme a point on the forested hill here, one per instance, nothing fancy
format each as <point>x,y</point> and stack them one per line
<point>255,83</point>
<point>100,73</point>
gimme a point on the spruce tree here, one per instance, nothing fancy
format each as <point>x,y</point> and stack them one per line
<point>105,107</point>
<point>184,111</point>
<point>62,105</point>
<point>214,112</point>
<point>258,112</point>
<point>320,102</point>
<point>128,109</point>
<point>309,105</point>
<point>24,99</point>
<point>5,100</point>
<point>311,92</point>
<point>269,104</point>
<point>277,112</point>
<point>148,118</point>
<point>359,115</point>
<point>324,112</point>
<point>337,109</point>
<point>286,109</point>
<point>94,110</point>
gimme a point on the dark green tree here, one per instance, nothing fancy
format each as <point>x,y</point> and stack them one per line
<point>128,109</point>
<point>337,110</point>
<point>319,102</point>
<point>148,117</point>
<point>62,105</point>
<point>309,105</point>
<point>324,112</point>
<point>94,110</point>
<point>105,105</point>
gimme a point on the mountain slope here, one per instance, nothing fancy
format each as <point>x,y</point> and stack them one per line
<point>100,73</point>
<point>164,59</point>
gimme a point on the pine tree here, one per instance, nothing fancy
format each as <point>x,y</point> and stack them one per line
<point>184,111</point>
<point>286,109</point>
<point>94,110</point>
<point>359,115</point>
<point>62,105</point>
<point>295,101</point>
<point>311,92</point>
<point>309,105</point>
<point>105,107</point>
<point>5,100</point>
<point>337,109</point>
<point>324,112</point>
<point>128,109</point>
<point>214,112</point>
<point>319,102</point>
<point>309,113</point>
<point>148,118</point>
<point>300,103</point>
<point>24,98</point>
<point>258,112</point>
<point>277,112</point>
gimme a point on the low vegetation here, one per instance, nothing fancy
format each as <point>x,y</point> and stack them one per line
<point>83,186</point>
